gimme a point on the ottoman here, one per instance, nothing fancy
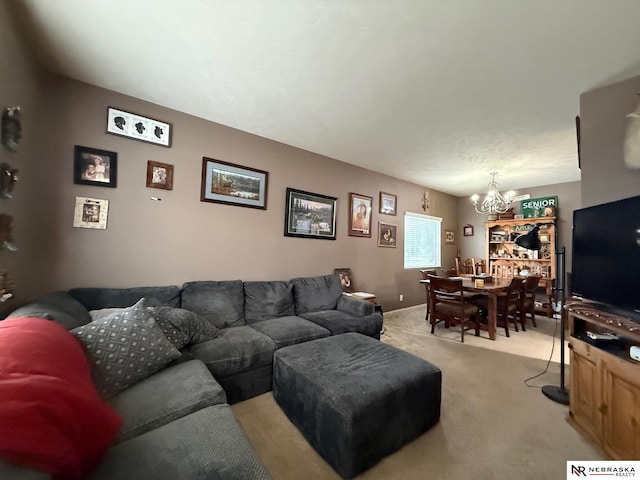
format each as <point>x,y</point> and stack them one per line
<point>354,398</point>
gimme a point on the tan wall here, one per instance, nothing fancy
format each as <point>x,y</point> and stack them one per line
<point>603,124</point>
<point>19,87</point>
<point>180,238</point>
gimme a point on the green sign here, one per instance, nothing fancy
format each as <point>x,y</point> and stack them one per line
<point>540,207</point>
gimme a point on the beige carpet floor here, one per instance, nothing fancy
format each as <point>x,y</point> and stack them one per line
<point>492,425</point>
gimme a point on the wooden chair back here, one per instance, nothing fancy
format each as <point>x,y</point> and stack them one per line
<point>447,304</point>
<point>501,268</point>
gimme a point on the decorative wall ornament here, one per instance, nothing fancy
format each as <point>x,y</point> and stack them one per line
<point>136,126</point>
<point>11,128</point>
<point>632,140</point>
<point>425,201</point>
<point>8,178</point>
<point>6,235</point>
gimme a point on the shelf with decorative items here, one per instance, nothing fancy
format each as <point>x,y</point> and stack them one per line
<point>506,258</point>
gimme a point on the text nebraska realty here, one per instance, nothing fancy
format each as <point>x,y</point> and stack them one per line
<point>580,470</point>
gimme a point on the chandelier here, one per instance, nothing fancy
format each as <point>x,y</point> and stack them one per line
<point>494,203</point>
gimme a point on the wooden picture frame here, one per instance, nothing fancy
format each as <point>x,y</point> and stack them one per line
<point>345,279</point>
<point>92,166</point>
<point>360,215</point>
<point>232,184</point>
<point>467,230</point>
<point>91,213</point>
<point>388,203</point>
<point>138,127</point>
<point>387,235</point>
<point>449,237</point>
<point>309,215</point>
<point>159,175</point>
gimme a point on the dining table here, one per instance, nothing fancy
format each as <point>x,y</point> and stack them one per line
<point>492,287</point>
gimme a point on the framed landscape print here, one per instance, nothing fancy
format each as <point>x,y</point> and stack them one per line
<point>360,215</point>
<point>309,215</point>
<point>159,175</point>
<point>92,166</point>
<point>388,203</point>
<point>387,235</point>
<point>137,127</point>
<point>232,184</point>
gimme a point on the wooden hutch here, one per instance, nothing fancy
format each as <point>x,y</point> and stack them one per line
<point>500,245</point>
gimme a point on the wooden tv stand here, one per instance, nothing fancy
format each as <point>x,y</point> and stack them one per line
<point>605,380</point>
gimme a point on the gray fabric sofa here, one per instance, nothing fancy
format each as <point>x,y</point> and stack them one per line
<point>178,422</point>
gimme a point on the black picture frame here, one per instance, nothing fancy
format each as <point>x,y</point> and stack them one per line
<point>92,166</point>
<point>309,215</point>
<point>231,184</point>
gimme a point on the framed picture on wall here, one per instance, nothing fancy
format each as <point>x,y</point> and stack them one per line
<point>91,213</point>
<point>92,166</point>
<point>360,215</point>
<point>137,127</point>
<point>224,182</point>
<point>309,215</point>
<point>159,175</point>
<point>449,237</point>
<point>468,230</point>
<point>388,203</point>
<point>387,235</point>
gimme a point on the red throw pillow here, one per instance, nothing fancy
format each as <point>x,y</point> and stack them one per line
<point>51,417</point>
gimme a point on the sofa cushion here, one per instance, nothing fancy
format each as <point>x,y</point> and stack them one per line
<point>236,349</point>
<point>124,347</point>
<point>290,330</point>
<point>60,307</point>
<point>196,328</point>
<point>51,417</point>
<point>264,300</point>
<point>221,303</point>
<point>97,298</point>
<point>340,322</point>
<point>209,443</point>
<point>165,396</point>
<point>312,294</point>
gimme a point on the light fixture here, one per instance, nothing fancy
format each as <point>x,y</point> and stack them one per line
<point>494,203</point>
<point>531,241</point>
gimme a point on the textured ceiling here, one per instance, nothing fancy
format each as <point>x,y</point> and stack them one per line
<point>436,92</point>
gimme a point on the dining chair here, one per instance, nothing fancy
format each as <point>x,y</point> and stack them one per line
<point>528,300</point>
<point>449,305</point>
<point>425,276</point>
<point>501,268</point>
<point>508,305</point>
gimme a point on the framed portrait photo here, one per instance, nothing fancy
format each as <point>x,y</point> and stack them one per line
<point>224,182</point>
<point>449,237</point>
<point>387,235</point>
<point>388,203</point>
<point>468,230</point>
<point>360,215</point>
<point>345,279</point>
<point>92,166</point>
<point>309,215</point>
<point>91,213</point>
<point>137,127</point>
<point>159,175</point>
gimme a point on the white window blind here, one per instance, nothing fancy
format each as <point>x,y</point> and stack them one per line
<point>422,237</point>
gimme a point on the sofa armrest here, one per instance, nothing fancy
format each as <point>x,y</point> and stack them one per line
<point>355,306</point>
<point>60,307</point>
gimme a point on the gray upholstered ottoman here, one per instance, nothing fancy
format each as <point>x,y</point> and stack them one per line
<point>354,398</point>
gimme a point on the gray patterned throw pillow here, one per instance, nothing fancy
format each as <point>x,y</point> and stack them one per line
<point>124,347</point>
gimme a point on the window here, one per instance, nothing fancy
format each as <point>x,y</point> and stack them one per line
<point>422,237</point>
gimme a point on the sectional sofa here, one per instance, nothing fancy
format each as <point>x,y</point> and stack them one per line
<point>196,349</point>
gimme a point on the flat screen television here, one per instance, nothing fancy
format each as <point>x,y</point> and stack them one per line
<point>605,263</point>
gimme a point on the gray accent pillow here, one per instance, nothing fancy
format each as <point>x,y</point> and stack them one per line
<point>124,348</point>
<point>195,328</point>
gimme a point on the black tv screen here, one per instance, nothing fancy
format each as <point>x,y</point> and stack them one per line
<point>605,263</point>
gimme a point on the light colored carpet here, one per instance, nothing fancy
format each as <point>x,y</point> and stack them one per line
<point>492,425</point>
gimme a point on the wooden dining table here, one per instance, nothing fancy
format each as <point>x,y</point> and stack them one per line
<point>492,290</point>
